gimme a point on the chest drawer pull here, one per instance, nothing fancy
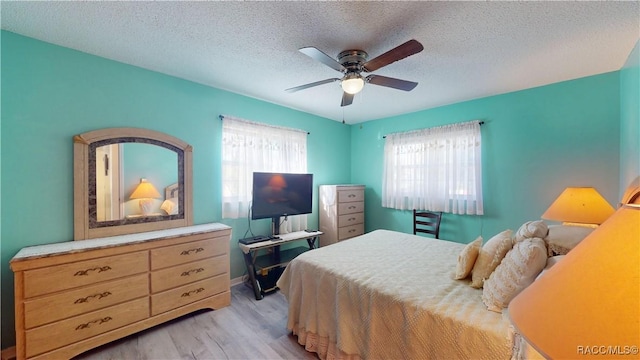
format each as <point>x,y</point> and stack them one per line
<point>98,321</point>
<point>194,271</point>
<point>86,299</point>
<point>188,252</point>
<point>198,290</point>
<point>86,272</point>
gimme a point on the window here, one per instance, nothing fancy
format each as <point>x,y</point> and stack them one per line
<point>436,169</point>
<point>248,147</point>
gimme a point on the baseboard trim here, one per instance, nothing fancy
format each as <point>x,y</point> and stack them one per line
<point>234,281</point>
<point>8,353</point>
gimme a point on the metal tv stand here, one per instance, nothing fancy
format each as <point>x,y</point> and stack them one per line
<point>259,265</point>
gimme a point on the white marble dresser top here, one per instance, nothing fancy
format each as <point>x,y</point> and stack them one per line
<point>73,246</point>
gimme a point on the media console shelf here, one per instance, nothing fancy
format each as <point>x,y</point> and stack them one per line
<point>272,257</point>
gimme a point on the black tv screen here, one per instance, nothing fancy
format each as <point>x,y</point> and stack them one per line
<point>281,194</point>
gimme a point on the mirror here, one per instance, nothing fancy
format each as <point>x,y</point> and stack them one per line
<point>129,180</point>
<point>119,170</point>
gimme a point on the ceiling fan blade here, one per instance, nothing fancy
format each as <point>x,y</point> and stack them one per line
<point>347,99</point>
<point>306,86</point>
<point>391,82</point>
<point>398,53</point>
<point>323,58</point>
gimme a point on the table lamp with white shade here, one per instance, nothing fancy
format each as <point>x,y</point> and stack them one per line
<point>146,192</point>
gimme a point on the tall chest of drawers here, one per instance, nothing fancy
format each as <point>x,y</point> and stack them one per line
<point>71,297</point>
<point>341,212</point>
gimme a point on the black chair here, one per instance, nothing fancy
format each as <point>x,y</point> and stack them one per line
<point>427,222</point>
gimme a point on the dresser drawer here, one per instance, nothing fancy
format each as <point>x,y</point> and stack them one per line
<point>81,273</point>
<point>188,252</point>
<point>65,332</point>
<point>187,294</point>
<point>187,273</point>
<point>350,195</point>
<point>350,208</point>
<point>350,219</point>
<point>75,302</point>
<point>350,231</point>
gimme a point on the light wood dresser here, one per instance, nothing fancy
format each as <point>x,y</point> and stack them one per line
<point>341,212</point>
<point>71,297</point>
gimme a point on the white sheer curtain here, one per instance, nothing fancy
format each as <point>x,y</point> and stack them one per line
<point>248,147</point>
<point>437,169</point>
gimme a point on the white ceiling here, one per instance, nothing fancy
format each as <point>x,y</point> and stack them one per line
<point>472,49</point>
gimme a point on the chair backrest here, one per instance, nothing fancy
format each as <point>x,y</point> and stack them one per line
<point>427,222</point>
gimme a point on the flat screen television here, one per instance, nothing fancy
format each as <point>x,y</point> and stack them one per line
<point>281,194</point>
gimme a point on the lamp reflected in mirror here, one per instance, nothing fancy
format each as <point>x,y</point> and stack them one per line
<point>146,192</point>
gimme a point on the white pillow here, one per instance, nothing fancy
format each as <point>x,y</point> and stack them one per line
<point>550,262</point>
<point>532,229</point>
<point>489,257</point>
<point>467,258</point>
<point>517,271</point>
<point>170,206</point>
<point>562,238</point>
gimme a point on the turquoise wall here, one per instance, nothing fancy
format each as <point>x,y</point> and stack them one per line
<point>536,142</point>
<point>50,93</point>
<point>630,119</point>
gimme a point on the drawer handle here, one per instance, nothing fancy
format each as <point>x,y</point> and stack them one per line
<point>86,272</point>
<point>351,195</point>
<point>196,291</point>
<point>352,219</point>
<point>188,273</point>
<point>86,299</point>
<point>351,207</point>
<point>188,252</point>
<point>98,321</point>
<point>352,230</point>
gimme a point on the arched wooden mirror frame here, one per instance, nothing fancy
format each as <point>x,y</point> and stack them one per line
<point>86,225</point>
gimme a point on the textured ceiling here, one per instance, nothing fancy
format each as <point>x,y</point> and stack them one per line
<point>472,49</point>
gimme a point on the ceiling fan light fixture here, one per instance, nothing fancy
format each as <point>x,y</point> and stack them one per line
<point>352,83</point>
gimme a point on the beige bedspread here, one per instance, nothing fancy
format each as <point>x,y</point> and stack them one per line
<point>390,295</point>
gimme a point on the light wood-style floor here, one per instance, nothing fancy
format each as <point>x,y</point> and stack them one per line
<point>248,329</point>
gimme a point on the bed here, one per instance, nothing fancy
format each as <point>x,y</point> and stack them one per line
<point>171,203</point>
<point>391,295</point>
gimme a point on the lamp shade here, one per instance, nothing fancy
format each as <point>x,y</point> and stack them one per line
<point>352,83</point>
<point>588,304</point>
<point>579,205</point>
<point>145,190</point>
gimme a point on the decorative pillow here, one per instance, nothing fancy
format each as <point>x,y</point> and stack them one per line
<point>517,271</point>
<point>550,262</point>
<point>563,238</point>
<point>532,229</point>
<point>489,257</point>
<point>467,258</point>
<point>170,206</point>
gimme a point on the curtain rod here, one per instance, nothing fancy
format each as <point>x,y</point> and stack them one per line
<point>480,123</point>
<point>222,118</point>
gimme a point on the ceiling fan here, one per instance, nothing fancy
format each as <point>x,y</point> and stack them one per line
<point>354,62</point>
